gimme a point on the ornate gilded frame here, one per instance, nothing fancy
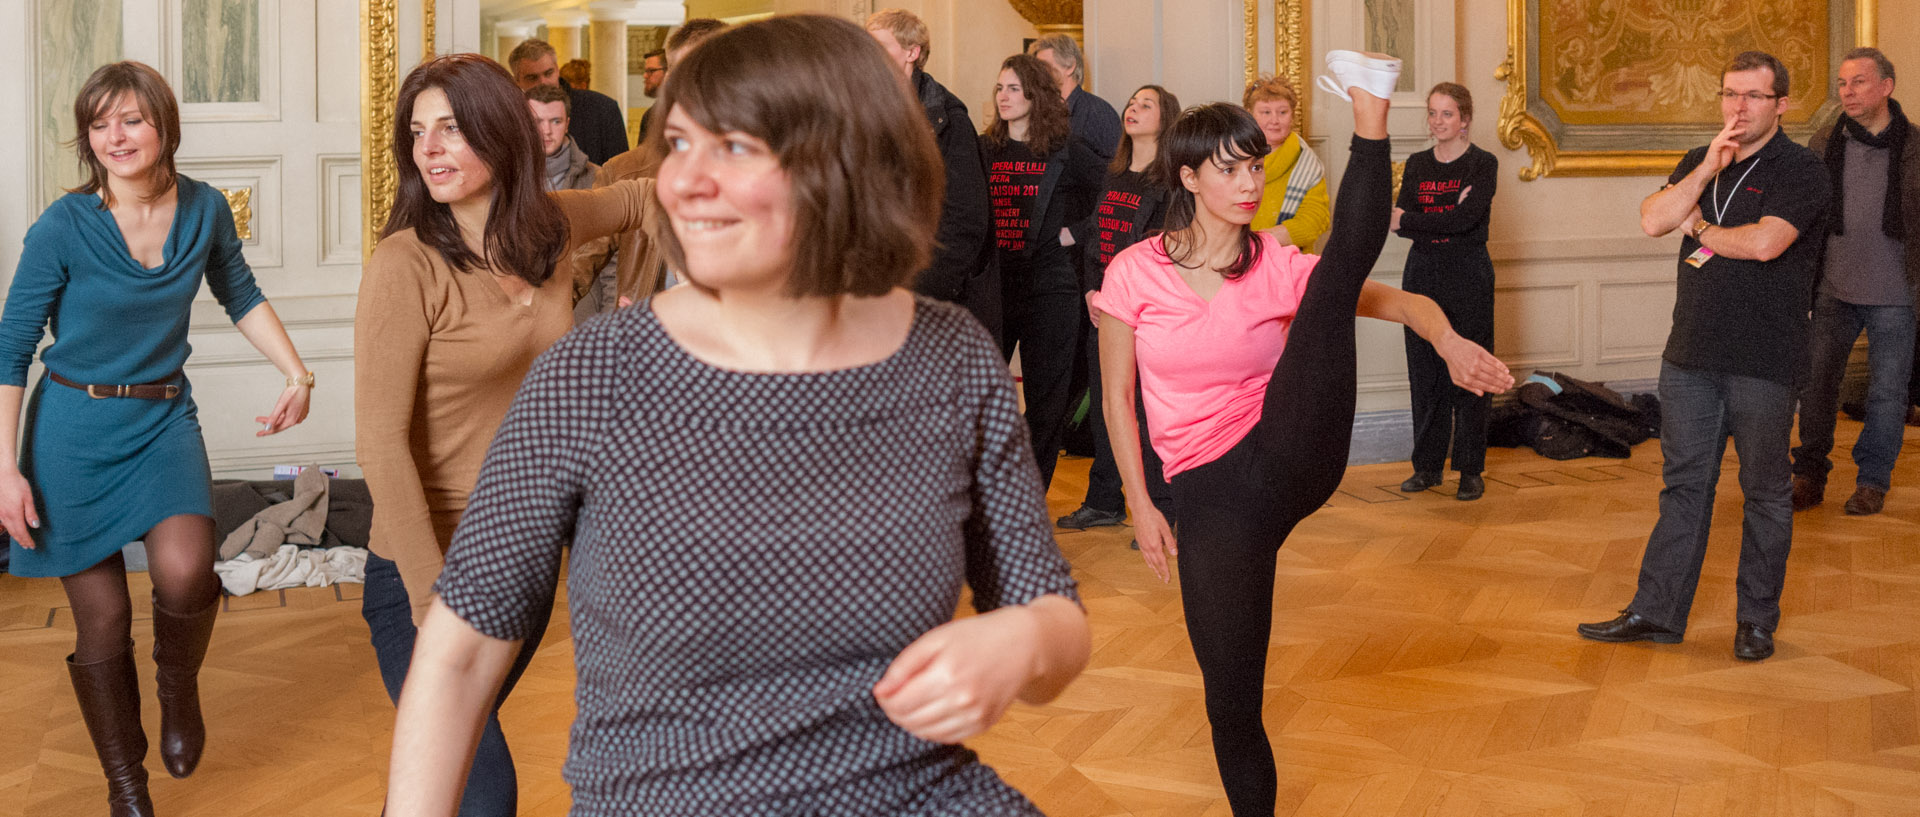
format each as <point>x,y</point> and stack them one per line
<point>379,85</point>
<point>1291,51</point>
<point>1519,127</point>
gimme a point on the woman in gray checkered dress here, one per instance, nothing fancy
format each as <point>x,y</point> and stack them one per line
<point>777,482</point>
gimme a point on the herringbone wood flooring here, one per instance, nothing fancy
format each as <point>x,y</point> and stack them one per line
<point>1423,665</point>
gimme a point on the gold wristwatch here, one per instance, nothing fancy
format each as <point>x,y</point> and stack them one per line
<point>1700,227</point>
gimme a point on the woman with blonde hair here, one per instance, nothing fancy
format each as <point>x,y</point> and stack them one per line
<point>112,450</point>
<point>1294,205</point>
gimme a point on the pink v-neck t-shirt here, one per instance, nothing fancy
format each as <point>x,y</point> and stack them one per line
<point>1203,365</point>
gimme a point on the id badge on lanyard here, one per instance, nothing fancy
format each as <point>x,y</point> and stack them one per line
<point>1700,256</point>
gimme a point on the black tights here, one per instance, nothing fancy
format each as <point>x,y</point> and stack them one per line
<point>1236,511</point>
<point>180,563</point>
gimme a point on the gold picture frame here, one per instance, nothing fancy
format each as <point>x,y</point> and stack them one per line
<point>1557,148</point>
<point>1291,51</point>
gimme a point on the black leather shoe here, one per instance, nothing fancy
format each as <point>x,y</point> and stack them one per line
<point>1628,627</point>
<point>1420,481</point>
<point>1750,643</point>
<point>1090,517</point>
<point>1472,487</point>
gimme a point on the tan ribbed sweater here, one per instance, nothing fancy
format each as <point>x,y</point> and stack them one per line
<point>437,356</point>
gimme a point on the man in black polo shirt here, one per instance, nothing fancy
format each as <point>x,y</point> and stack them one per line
<point>1752,204</point>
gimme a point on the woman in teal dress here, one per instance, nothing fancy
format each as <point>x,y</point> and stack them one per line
<point>112,449</point>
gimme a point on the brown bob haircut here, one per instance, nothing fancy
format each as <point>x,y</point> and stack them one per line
<point>526,232</point>
<point>1049,124</point>
<point>157,105</point>
<point>866,176</point>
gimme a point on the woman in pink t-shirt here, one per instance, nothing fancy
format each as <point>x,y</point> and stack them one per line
<point>1253,440</point>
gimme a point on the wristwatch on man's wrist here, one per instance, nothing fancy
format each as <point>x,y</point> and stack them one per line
<point>1700,228</point>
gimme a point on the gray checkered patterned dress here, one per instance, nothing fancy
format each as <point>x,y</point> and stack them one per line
<point>750,551</point>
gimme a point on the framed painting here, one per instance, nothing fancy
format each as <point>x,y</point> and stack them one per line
<point>1626,87</point>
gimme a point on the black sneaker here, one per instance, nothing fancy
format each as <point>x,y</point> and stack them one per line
<point>1090,517</point>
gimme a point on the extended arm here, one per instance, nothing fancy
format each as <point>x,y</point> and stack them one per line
<point>262,328</point>
<point>1472,367</point>
<point>455,674</point>
<point>1117,407</point>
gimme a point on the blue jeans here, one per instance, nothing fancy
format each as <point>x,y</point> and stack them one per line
<point>1836,325</point>
<point>492,788</point>
<point>1698,410</point>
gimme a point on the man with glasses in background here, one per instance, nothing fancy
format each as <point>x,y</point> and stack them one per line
<point>653,72</point>
<point>1751,204</point>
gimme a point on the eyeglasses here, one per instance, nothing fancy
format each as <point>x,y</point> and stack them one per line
<point>651,71</point>
<point>1753,97</point>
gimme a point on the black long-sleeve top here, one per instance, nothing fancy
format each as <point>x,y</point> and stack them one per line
<point>1434,215</point>
<point>961,244</point>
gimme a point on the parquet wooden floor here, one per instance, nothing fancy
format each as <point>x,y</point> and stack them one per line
<point>1423,665</point>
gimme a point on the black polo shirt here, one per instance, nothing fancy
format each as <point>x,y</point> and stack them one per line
<point>1750,317</point>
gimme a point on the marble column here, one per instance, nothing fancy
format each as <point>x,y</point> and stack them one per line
<point>608,35</point>
<point>563,33</point>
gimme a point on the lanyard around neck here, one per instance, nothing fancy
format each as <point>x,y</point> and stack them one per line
<point>1720,208</point>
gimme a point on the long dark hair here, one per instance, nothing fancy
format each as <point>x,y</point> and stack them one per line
<point>1204,134</point>
<point>157,105</point>
<point>1049,125</point>
<point>1169,112</point>
<point>526,232</point>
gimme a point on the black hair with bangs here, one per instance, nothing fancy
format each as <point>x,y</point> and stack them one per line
<point>1206,133</point>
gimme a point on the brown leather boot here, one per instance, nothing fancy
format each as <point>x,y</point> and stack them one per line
<point>179,645</point>
<point>109,694</point>
<point>1807,493</point>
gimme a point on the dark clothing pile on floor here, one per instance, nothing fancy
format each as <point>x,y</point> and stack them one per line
<point>1564,418</point>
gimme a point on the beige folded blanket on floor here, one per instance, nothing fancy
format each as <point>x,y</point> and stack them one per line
<point>301,520</point>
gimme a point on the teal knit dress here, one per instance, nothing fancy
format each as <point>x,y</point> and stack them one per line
<point>104,472</point>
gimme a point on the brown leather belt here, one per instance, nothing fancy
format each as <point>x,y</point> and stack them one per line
<point>157,390</point>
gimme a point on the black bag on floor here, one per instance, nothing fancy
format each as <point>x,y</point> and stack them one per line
<point>1565,418</point>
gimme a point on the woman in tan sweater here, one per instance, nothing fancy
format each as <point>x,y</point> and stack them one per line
<point>458,299</point>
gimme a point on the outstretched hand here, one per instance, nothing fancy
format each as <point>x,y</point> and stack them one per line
<point>956,681</point>
<point>287,412</point>
<point>1473,368</point>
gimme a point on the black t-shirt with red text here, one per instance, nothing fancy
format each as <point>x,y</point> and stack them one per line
<point>1132,208</point>
<point>1435,214</point>
<point>1031,256</point>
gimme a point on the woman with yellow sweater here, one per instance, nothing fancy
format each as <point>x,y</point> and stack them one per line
<point>1294,206</point>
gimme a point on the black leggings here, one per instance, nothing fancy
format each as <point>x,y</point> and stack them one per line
<point>1236,511</point>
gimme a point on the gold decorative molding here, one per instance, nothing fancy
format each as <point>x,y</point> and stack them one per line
<point>240,201</point>
<point>1252,13</point>
<point>1292,56</point>
<point>1519,128</point>
<point>379,84</point>
<point>428,24</point>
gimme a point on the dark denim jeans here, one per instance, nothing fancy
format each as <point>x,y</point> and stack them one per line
<point>1836,325</point>
<point>1698,410</point>
<point>492,788</point>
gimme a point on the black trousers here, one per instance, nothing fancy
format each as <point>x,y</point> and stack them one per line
<point>1236,511</point>
<point>1461,281</point>
<point>1046,326</point>
<point>1104,490</point>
